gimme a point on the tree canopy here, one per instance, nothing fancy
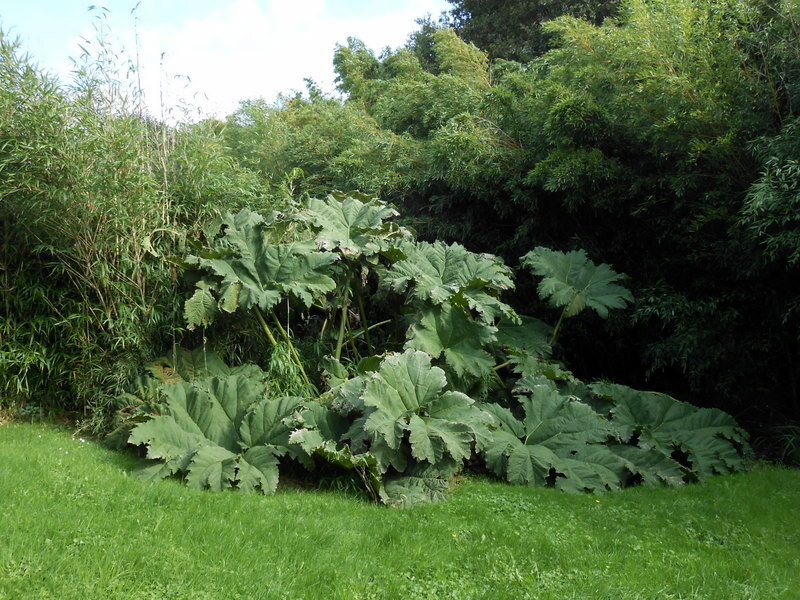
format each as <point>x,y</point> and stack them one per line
<point>513,29</point>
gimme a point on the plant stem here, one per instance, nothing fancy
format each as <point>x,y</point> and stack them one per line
<point>364,322</point>
<point>351,338</point>
<point>554,337</point>
<point>265,327</point>
<point>359,332</point>
<point>292,349</point>
<point>340,341</point>
<point>500,366</point>
<point>322,330</point>
<point>500,379</point>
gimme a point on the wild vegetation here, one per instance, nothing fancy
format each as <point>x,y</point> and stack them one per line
<point>660,142</point>
<point>413,337</point>
<point>203,291</point>
<point>91,193</point>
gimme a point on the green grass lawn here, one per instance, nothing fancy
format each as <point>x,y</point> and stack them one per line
<point>75,524</point>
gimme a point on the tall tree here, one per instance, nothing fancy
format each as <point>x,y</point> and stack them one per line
<point>512,29</point>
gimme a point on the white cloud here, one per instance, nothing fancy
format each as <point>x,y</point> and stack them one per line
<point>247,49</point>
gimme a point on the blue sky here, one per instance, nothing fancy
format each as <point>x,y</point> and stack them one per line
<point>228,49</point>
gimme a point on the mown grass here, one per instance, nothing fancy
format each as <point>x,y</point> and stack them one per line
<point>75,524</point>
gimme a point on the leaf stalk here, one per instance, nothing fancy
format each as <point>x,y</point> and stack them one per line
<point>343,322</point>
<point>264,326</point>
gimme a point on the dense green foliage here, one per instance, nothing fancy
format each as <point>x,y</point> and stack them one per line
<point>636,436</point>
<point>512,29</point>
<point>406,422</point>
<point>221,431</point>
<point>663,143</point>
<point>74,525</point>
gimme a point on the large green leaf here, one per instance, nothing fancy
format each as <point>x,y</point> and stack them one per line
<point>448,330</point>
<point>220,432</point>
<point>267,272</point>
<point>530,464</point>
<point>554,428</point>
<point>405,396</point>
<point>258,469</point>
<point>573,281</point>
<point>319,431</point>
<point>458,407</point>
<point>265,423</point>
<point>315,425</point>
<point>560,422</point>
<point>330,424</point>
<point>420,485</point>
<point>712,439</point>
<point>484,302</point>
<point>201,308</point>
<point>396,458</point>
<point>504,419</point>
<point>334,373</point>
<point>213,407</point>
<point>652,466</point>
<point>596,467</point>
<point>245,268</point>
<point>430,439</point>
<point>212,468</point>
<point>165,440</point>
<point>496,453</point>
<point>354,224</point>
<point>529,336</point>
<point>405,383</point>
<point>541,369</point>
<point>563,441</point>
<point>438,273</point>
<point>593,468</point>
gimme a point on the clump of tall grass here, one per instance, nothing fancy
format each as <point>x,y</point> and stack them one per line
<point>94,195</point>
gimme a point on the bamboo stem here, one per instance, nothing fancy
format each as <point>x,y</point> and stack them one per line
<point>359,332</point>
<point>292,349</point>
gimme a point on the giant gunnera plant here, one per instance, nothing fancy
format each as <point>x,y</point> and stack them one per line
<point>404,343</point>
